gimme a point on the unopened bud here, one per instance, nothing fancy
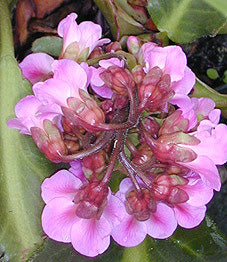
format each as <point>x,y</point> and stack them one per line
<point>172,148</point>
<point>97,51</point>
<point>141,205</point>
<point>119,101</point>
<point>113,47</point>
<point>94,165</point>
<point>151,126</point>
<point>49,141</point>
<point>155,90</point>
<point>118,79</point>
<point>174,123</point>
<point>91,200</point>
<point>167,187</point>
<point>133,45</point>
<point>72,146</point>
<point>138,74</point>
<point>143,155</point>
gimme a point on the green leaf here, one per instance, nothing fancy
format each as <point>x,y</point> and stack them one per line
<point>120,22</point>
<point>204,243</point>
<point>22,166</point>
<point>186,20</point>
<point>51,45</point>
<point>202,90</point>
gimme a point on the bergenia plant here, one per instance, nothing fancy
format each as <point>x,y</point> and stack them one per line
<point>92,109</point>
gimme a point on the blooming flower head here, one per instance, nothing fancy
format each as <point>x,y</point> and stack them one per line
<point>81,39</point>
<point>118,114</point>
<point>79,213</point>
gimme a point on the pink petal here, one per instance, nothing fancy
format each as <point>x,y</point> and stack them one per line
<point>199,193</point>
<point>125,186</point>
<point>162,223</point>
<point>27,106</point>
<point>189,216</point>
<point>26,112</point>
<point>52,91</point>
<point>58,218</point>
<point>91,33</point>
<point>61,184</point>
<point>77,171</point>
<point>111,62</point>
<point>175,62</point>
<point>181,100</point>
<point>98,86</point>
<point>184,85</point>
<point>203,105</point>
<point>91,237</point>
<point>114,210</point>
<point>16,123</point>
<point>100,42</point>
<point>129,232</point>
<point>213,144</point>
<point>69,30</point>
<point>215,115</point>
<point>36,66</point>
<point>72,73</point>
<point>207,170</point>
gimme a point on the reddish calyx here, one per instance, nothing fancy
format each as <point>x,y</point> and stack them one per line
<point>141,204</point>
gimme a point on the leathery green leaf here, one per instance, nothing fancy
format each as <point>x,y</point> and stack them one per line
<point>202,90</point>
<point>186,20</point>
<point>22,166</point>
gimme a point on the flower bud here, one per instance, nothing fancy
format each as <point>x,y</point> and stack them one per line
<point>97,51</point>
<point>151,126</point>
<point>133,45</point>
<point>113,47</point>
<point>174,123</point>
<point>141,205</point>
<point>94,165</point>
<point>85,112</point>
<point>155,90</point>
<point>118,79</point>
<point>143,155</point>
<point>172,148</point>
<point>167,187</point>
<point>138,74</point>
<point>49,141</point>
<point>91,200</point>
<point>119,101</point>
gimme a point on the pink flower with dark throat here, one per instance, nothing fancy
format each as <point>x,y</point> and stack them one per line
<point>83,214</point>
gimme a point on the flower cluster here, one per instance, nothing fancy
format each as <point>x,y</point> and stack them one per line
<point>91,109</point>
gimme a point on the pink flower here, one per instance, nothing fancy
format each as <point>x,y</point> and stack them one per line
<point>85,36</point>
<point>36,67</point>
<point>97,84</point>
<point>186,194</point>
<point>205,109</point>
<point>211,151</point>
<point>68,218</point>
<point>156,220</point>
<point>29,114</point>
<point>68,78</point>
<point>172,61</point>
<point>199,151</point>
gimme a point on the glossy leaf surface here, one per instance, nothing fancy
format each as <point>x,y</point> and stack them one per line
<point>186,20</point>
